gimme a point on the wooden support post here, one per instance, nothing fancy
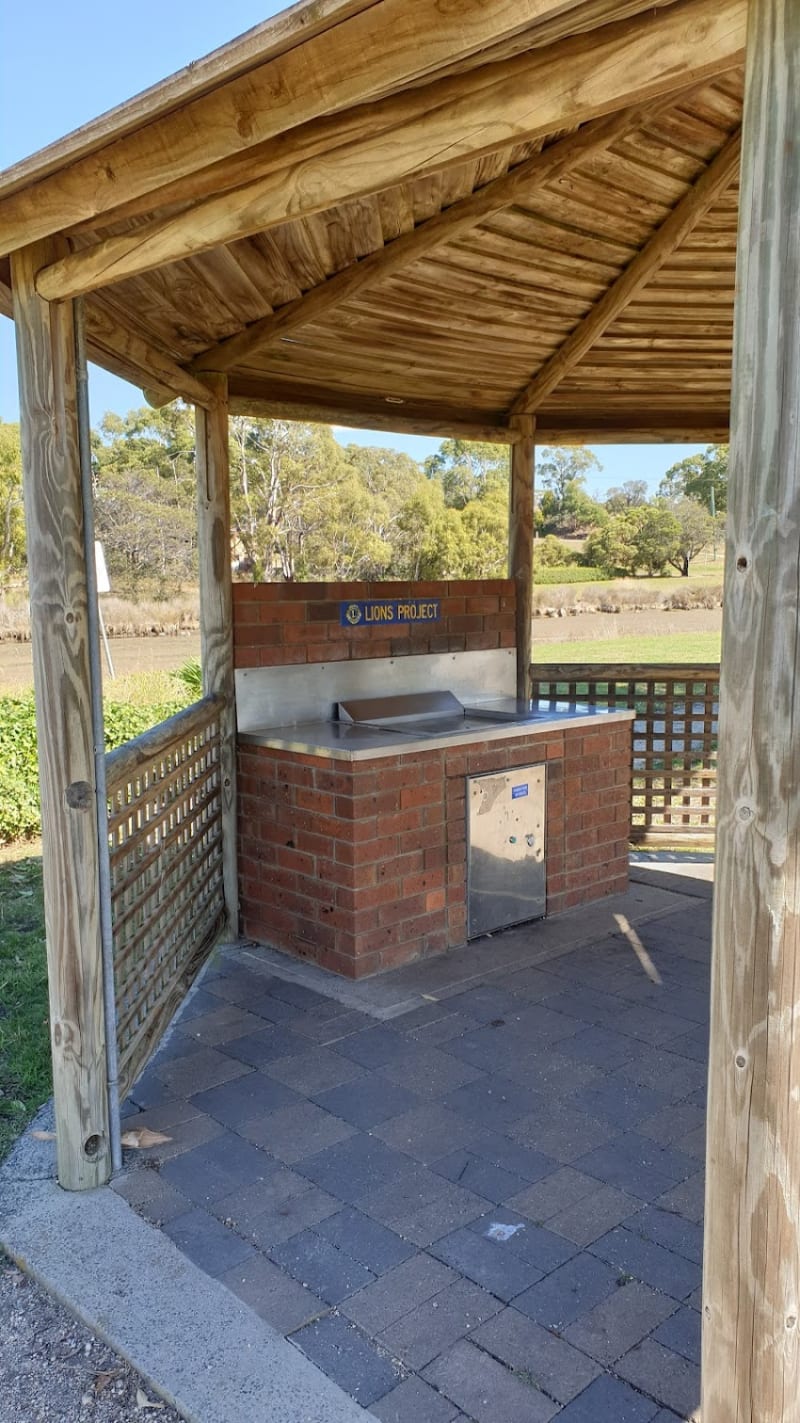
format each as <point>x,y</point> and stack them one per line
<point>216,609</point>
<point>751,1306</point>
<point>520,542</point>
<point>58,598</point>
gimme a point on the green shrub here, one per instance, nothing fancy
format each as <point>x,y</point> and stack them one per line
<point>567,574</point>
<point>20,816</point>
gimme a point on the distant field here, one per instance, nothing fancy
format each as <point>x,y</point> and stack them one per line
<point>677,648</point>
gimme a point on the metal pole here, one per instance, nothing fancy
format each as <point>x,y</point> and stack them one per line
<point>98,738</point>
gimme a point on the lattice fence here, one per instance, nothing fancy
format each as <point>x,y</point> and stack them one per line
<point>166,872</point>
<point>674,738</point>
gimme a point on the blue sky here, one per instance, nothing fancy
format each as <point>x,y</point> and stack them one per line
<point>89,56</point>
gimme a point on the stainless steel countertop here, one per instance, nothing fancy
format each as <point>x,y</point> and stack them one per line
<point>344,741</point>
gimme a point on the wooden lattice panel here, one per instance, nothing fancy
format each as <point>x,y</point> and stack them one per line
<point>674,738</point>
<point>167,899</point>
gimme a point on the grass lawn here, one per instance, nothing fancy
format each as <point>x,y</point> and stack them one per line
<point>24,1037</point>
<point>681,649</point>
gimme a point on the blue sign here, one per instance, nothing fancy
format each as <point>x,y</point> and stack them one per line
<point>518,791</point>
<point>388,613</point>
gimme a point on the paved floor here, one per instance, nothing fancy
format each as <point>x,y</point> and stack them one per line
<point>486,1207</point>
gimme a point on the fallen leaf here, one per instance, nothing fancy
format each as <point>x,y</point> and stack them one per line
<point>103,1379</point>
<point>142,1401</point>
<point>142,1137</point>
<point>42,1135</point>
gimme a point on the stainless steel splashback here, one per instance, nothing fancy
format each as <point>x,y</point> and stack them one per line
<point>281,696</point>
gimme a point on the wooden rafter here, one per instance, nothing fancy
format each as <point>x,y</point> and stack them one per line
<point>690,210</point>
<point>445,226</point>
<point>430,129</point>
<point>354,62</point>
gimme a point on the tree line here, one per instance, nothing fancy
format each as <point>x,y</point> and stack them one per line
<point>306,507</point>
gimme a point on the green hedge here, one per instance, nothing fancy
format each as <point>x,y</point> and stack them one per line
<point>567,573</point>
<point>20,816</point>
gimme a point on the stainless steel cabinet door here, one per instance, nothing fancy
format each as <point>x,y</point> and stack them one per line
<point>505,848</point>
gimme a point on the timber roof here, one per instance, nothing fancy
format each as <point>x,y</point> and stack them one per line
<point>418,214</point>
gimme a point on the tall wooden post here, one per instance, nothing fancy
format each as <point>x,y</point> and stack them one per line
<point>58,597</point>
<point>751,1308</point>
<point>216,608</point>
<point>520,542</point>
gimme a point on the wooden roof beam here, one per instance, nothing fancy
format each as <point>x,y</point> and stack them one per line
<point>429,129</point>
<point>445,226</point>
<point>352,62</point>
<point>717,177</point>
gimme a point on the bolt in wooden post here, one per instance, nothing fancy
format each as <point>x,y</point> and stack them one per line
<point>216,609</point>
<point>751,1306</point>
<point>58,597</point>
<point>520,542</point>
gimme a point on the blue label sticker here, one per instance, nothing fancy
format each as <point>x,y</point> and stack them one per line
<point>386,612</point>
<point>518,791</point>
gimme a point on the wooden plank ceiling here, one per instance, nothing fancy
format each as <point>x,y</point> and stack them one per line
<point>582,269</point>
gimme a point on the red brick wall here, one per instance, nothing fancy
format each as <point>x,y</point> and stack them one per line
<point>276,624</point>
<point>362,866</point>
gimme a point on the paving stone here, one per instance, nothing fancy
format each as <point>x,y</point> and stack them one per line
<point>182,1136</point>
<point>422,1017</point>
<point>671,1379</point>
<point>681,1334</point>
<point>330,1273</point>
<point>484,1003</point>
<point>217,1168</point>
<point>525,1347</point>
<point>596,1214</point>
<point>561,1131</point>
<point>478,1175</point>
<point>534,984</point>
<point>672,1231</point>
<point>686,1199</point>
<point>619,1322</point>
<point>328,1030</point>
<point>151,1197</point>
<point>150,1092</point>
<point>437,1323</point>
<point>665,1415</point>
<point>199,1002</point>
<point>441,1032</point>
<point>430,1073</point>
<point>366,1240</point>
<point>602,1047</point>
<point>349,1358</point>
<point>208,1243</point>
<point>508,1155</point>
<point>492,1101</point>
<point>274,1210</point>
<point>295,1132</point>
<point>669,1073</point>
<point>609,1400</point>
<point>693,1044</point>
<point>414,1402</point>
<point>266,1045</point>
<point>368,1101</point>
<point>673,1123</point>
<point>422,1206</point>
<point>621,1102</point>
<point>375,1047</point>
<point>550,1072</point>
<point>273,1294</point>
<point>650,1263</point>
<point>195,1072</point>
<point>312,1071</point>
<point>271,1009</point>
<point>236,1102</point>
<point>637,1165</point>
<point>428,1132</point>
<point>240,985</point>
<point>694,1143</point>
<point>299,995</point>
<point>554,1193</point>
<point>530,1242</point>
<point>397,1293</point>
<point>568,1292</point>
<point>486,1262</point>
<point>487,1391</point>
<point>223,1022</point>
<point>353,1168</point>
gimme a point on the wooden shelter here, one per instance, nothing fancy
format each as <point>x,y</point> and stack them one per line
<point>514,221</point>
